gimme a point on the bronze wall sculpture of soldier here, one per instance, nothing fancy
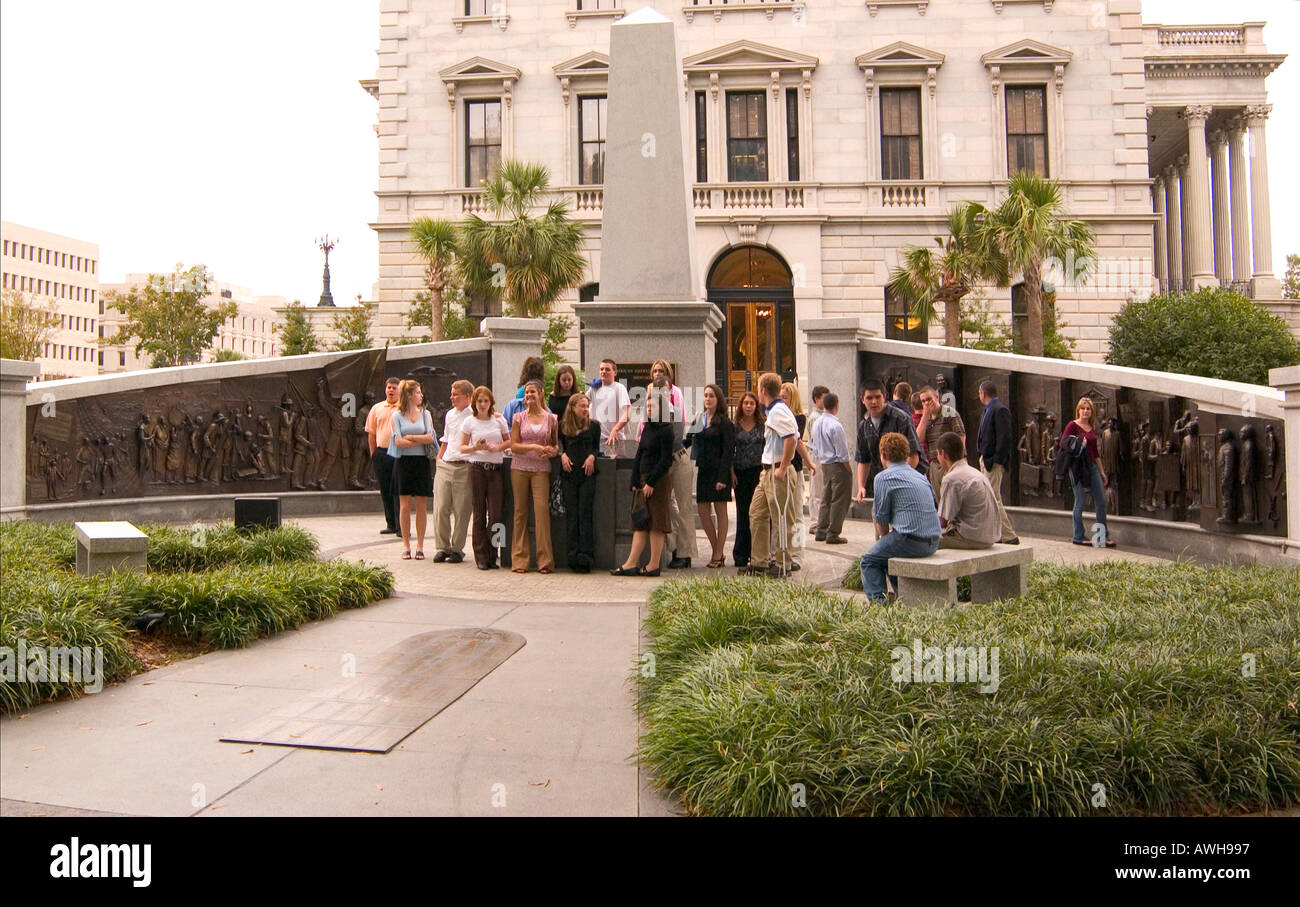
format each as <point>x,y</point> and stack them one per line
<point>338,443</point>
<point>1227,468</point>
<point>1189,459</point>
<point>1246,473</point>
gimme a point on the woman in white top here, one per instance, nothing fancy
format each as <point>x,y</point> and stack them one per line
<point>484,439</point>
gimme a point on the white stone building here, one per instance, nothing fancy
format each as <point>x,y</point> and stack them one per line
<point>46,267</point>
<point>827,134</point>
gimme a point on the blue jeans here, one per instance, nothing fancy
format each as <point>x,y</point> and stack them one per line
<point>1085,482</point>
<point>876,561</point>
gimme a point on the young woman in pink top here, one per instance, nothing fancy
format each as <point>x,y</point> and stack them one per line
<point>534,443</point>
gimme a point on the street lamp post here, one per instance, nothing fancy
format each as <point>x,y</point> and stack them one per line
<point>326,245</point>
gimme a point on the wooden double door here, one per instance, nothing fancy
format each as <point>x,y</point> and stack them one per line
<point>759,338</point>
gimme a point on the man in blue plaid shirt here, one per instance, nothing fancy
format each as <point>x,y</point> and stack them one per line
<point>907,523</point>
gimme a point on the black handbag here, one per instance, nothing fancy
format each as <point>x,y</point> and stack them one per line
<point>640,513</point>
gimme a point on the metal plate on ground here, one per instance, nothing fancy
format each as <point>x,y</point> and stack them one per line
<point>393,694</point>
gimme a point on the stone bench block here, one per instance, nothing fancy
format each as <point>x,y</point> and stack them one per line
<point>997,572</point>
<point>110,545</point>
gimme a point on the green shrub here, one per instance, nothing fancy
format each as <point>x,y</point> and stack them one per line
<point>1125,675</point>
<point>1212,332</point>
<point>214,585</point>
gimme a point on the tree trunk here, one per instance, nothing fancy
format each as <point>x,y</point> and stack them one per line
<point>952,318</point>
<point>436,284</point>
<point>1034,308</point>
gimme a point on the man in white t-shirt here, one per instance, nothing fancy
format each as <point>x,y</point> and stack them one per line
<point>453,504</point>
<point>774,498</point>
<point>611,407</point>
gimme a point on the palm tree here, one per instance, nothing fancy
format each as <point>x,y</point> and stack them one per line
<point>1029,227</point>
<point>437,243</point>
<point>527,260</point>
<point>964,259</point>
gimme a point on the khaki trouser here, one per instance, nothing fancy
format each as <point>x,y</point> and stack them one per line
<point>453,505</point>
<point>835,498</point>
<point>535,485</point>
<point>952,538</point>
<point>681,475</point>
<point>994,476</point>
<point>773,509</point>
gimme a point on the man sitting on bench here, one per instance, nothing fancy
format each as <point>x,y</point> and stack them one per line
<point>968,509</point>
<point>907,524</point>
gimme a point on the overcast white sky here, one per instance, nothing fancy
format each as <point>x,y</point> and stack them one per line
<point>233,133</point>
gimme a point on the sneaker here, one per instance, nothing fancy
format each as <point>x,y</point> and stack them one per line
<point>836,540</point>
<point>440,557</point>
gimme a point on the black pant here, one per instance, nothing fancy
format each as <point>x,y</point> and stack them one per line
<point>384,466</point>
<point>488,489</point>
<point>746,482</point>
<point>579,500</point>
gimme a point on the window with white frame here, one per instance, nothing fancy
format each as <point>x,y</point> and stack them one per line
<point>1028,85</point>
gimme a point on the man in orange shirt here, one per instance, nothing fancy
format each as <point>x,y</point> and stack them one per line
<point>379,427</point>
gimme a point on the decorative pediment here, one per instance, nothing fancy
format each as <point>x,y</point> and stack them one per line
<point>479,69</point>
<point>1027,52</point>
<point>592,63</point>
<point>748,56</point>
<point>900,55</point>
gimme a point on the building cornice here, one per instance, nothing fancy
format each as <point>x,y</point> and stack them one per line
<point>1187,66</point>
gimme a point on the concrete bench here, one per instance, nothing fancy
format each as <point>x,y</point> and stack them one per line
<point>996,572</point>
<point>110,545</point>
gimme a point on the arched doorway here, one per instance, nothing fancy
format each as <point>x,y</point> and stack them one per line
<point>753,287</point>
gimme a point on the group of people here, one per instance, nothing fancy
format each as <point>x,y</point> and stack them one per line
<point>911,453</point>
<point>927,496</point>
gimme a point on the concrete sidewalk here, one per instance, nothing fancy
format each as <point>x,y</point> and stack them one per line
<point>552,731</point>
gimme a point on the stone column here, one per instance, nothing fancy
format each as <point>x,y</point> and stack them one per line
<point>1174,227</point>
<point>1161,251</point>
<point>1222,230</point>
<point>1287,380</point>
<point>513,340</point>
<point>1260,218</point>
<point>1185,227</point>
<point>1199,237</point>
<point>833,361</point>
<point>14,376</point>
<point>1240,201</point>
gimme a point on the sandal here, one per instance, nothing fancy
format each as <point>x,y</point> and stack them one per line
<point>717,562</point>
<point>406,555</point>
<point>545,570</point>
<point>419,555</point>
<point>520,569</point>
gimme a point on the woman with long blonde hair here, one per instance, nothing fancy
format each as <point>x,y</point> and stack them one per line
<point>1087,473</point>
<point>802,461</point>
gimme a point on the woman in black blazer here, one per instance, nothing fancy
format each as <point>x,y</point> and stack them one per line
<point>712,440</point>
<point>654,457</point>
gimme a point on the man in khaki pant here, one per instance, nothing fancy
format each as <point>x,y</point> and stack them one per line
<point>774,498</point>
<point>453,505</point>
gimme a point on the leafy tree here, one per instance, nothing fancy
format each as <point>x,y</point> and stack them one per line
<point>438,244</point>
<point>1212,332</point>
<point>296,334</point>
<point>526,261</point>
<point>557,332</point>
<point>168,318</point>
<point>456,324</point>
<point>989,330</point>
<point>966,257</point>
<point>228,356</point>
<point>1029,228</point>
<point>25,325</point>
<point>352,324</point>
<point>1291,281</point>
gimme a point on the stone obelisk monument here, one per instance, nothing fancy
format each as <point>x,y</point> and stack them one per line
<point>650,306</point>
